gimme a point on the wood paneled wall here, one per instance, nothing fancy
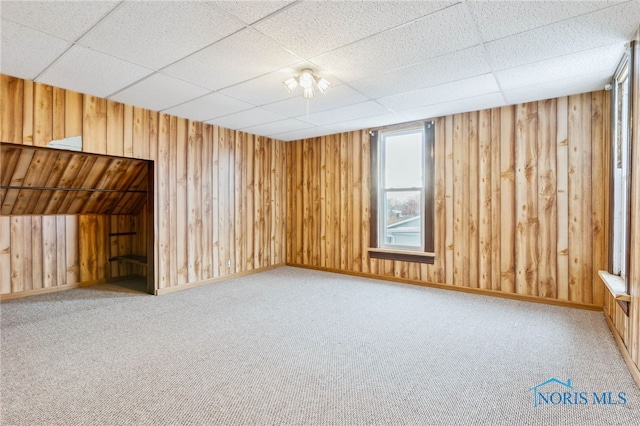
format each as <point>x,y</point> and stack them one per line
<point>219,195</point>
<point>518,201</point>
<point>628,327</point>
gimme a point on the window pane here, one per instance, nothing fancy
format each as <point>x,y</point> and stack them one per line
<point>621,177</point>
<point>402,222</point>
<point>403,160</point>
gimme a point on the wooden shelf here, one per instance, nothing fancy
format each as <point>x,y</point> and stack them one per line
<point>131,258</point>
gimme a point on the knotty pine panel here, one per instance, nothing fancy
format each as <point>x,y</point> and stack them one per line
<point>220,195</point>
<point>509,182</point>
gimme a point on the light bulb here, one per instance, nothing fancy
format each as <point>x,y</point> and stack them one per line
<point>323,85</point>
<point>290,84</point>
<point>306,79</point>
<point>308,92</point>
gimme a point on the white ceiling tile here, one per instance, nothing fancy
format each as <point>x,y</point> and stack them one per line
<point>64,19</point>
<point>27,52</point>
<point>604,27</point>
<point>87,71</point>
<point>351,112</point>
<point>155,34</point>
<point>476,103</point>
<point>312,132</point>
<point>208,107</point>
<point>367,122</point>
<point>459,89</point>
<point>561,68</point>
<point>547,90</point>
<point>268,88</point>
<point>504,18</point>
<point>251,117</point>
<point>282,126</point>
<point>318,31</point>
<point>455,66</point>
<point>396,53</point>
<point>443,32</point>
<point>252,11</point>
<point>242,56</point>
<point>158,92</point>
<point>335,97</point>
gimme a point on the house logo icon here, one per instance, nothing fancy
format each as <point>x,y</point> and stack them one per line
<point>556,392</point>
<point>536,392</point>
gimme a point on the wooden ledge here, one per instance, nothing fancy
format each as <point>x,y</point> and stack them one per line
<point>406,256</point>
<point>616,286</point>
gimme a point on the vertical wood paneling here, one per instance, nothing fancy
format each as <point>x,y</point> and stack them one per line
<point>17,251</point>
<point>71,250</point>
<point>49,252</point>
<point>473,179</point>
<point>337,199</point>
<point>345,205</point>
<point>42,114</point>
<point>365,183</point>
<point>163,198</point>
<point>502,200</point>
<point>440,203</point>
<point>27,113</point>
<point>580,229</point>
<point>194,202</point>
<point>94,125</point>
<point>215,201</point>
<point>258,203</point>
<point>34,239</point>
<point>547,213</point>
<point>58,114</point>
<point>485,197</point>
<point>449,201</point>
<point>224,200</point>
<point>12,90</point>
<point>298,201</point>
<point>206,197</point>
<point>5,254</point>
<point>172,278</point>
<point>461,200</point>
<point>115,128</point>
<point>526,199</point>
<point>181,240</point>
<point>507,200</point>
<point>356,201</point>
<point>238,148</point>
<point>198,168</point>
<point>599,189</point>
<point>562,161</point>
<point>61,267</point>
<point>246,194</point>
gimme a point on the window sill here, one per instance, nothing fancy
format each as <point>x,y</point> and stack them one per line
<point>406,256</point>
<point>615,285</point>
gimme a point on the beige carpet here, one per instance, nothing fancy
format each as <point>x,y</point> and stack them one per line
<point>299,347</point>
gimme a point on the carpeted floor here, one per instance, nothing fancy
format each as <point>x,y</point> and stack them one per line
<point>298,347</point>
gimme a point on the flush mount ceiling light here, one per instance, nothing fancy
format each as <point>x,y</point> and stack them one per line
<point>307,80</point>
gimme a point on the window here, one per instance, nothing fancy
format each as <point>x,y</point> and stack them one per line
<point>402,193</point>
<point>621,167</point>
<point>621,89</point>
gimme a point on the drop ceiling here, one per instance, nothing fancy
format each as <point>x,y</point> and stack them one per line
<point>223,62</point>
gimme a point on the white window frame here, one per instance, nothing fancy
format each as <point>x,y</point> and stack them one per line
<point>621,167</point>
<point>383,190</point>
